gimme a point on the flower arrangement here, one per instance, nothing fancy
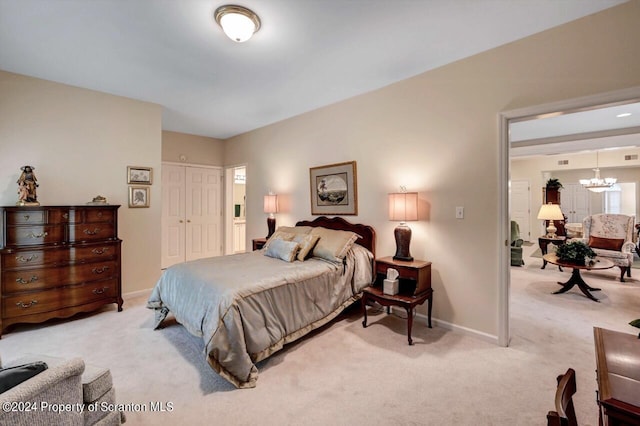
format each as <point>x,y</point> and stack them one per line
<point>575,252</point>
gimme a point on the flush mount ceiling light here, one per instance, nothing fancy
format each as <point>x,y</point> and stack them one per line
<point>237,22</point>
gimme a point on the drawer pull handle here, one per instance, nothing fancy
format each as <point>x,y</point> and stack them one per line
<point>26,305</point>
<point>99,214</point>
<point>102,250</point>
<point>65,215</point>
<point>100,290</point>
<point>33,279</point>
<point>26,217</point>
<point>100,270</point>
<point>26,259</point>
<point>90,232</point>
<point>40,235</point>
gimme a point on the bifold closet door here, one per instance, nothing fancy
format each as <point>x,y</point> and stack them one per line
<point>203,213</point>
<point>173,215</point>
<point>191,213</point>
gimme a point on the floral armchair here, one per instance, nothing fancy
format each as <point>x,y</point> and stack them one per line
<point>611,237</point>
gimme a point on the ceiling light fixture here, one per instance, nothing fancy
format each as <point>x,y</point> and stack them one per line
<point>237,22</point>
<point>597,184</point>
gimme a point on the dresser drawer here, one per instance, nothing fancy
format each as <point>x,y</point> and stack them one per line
<point>26,217</point>
<point>93,252</point>
<point>24,258</point>
<point>91,231</point>
<point>34,235</point>
<point>51,300</point>
<point>55,276</point>
<point>99,215</point>
<point>64,216</point>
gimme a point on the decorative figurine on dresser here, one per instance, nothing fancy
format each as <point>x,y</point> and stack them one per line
<point>57,261</point>
<point>27,184</point>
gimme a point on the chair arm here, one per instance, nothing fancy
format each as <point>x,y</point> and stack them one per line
<point>628,247</point>
<point>49,378</point>
<point>61,384</point>
<point>517,243</point>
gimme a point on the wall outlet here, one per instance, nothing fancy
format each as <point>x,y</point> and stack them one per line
<point>459,212</point>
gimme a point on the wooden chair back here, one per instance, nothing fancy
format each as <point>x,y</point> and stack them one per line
<point>565,414</point>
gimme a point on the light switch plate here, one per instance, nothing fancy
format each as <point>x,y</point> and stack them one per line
<point>459,212</point>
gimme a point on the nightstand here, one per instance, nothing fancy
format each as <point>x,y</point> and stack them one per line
<point>258,243</point>
<point>414,288</point>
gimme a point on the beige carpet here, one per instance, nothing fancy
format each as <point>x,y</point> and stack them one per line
<point>346,375</point>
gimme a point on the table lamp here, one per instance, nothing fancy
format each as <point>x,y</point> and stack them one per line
<point>550,212</point>
<point>271,207</point>
<point>403,206</point>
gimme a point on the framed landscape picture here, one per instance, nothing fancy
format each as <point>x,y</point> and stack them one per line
<point>334,189</point>
<point>139,196</point>
<point>139,175</point>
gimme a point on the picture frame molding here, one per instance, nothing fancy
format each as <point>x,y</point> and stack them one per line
<point>351,208</point>
<point>131,170</point>
<point>147,194</point>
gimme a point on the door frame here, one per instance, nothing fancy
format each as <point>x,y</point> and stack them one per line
<point>584,103</point>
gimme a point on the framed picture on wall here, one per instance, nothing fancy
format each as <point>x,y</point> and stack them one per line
<point>139,175</point>
<point>139,196</point>
<point>334,189</point>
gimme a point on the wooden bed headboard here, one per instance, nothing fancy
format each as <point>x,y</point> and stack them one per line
<point>366,232</point>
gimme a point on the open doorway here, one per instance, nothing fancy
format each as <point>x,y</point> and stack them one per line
<point>235,209</point>
<point>555,139</point>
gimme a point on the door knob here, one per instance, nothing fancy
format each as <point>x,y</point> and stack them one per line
<point>181,221</point>
<point>188,221</point>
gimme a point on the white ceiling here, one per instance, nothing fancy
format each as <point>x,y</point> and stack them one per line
<point>308,53</point>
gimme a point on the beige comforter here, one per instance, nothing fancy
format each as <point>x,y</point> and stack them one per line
<point>247,306</point>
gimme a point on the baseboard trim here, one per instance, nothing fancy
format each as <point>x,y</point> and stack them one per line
<point>453,327</point>
<point>138,293</point>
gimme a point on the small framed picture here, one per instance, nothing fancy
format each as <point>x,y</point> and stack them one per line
<point>138,196</point>
<point>139,175</point>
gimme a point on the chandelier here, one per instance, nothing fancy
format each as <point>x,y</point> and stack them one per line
<point>598,184</point>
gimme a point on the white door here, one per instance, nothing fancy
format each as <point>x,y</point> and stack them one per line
<point>520,207</point>
<point>173,217</point>
<point>203,212</point>
<point>191,213</point>
<point>575,202</point>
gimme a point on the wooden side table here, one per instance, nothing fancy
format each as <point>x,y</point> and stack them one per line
<point>414,285</point>
<point>258,243</point>
<point>544,241</point>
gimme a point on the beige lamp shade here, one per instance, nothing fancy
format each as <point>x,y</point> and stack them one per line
<point>550,212</point>
<point>403,206</point>
<point>271,203</point>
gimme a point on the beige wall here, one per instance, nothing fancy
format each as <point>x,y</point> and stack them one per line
<point>80,143</point>
<point>194,149</point>
<point>437,133</point>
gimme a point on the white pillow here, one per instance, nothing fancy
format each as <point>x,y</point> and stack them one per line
<point>281,249</point>
<point>333,244</point>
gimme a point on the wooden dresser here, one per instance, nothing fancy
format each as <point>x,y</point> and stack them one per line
<point>56,261</point>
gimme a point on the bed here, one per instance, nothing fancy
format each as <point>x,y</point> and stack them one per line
<point>248,306</point>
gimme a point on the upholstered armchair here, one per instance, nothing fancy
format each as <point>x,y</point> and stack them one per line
<point>516,245</point>
<point>611,237</point>
<point>83,389</point>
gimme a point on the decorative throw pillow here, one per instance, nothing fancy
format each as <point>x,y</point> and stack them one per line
<point>13,376</point>
<point>307,242</point>
<point>606,243</point>
<point>279,235</point>
<point>333,244</point>
<point>281,249</point>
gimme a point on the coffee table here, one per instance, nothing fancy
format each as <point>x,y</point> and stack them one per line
<point>576,279</point>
